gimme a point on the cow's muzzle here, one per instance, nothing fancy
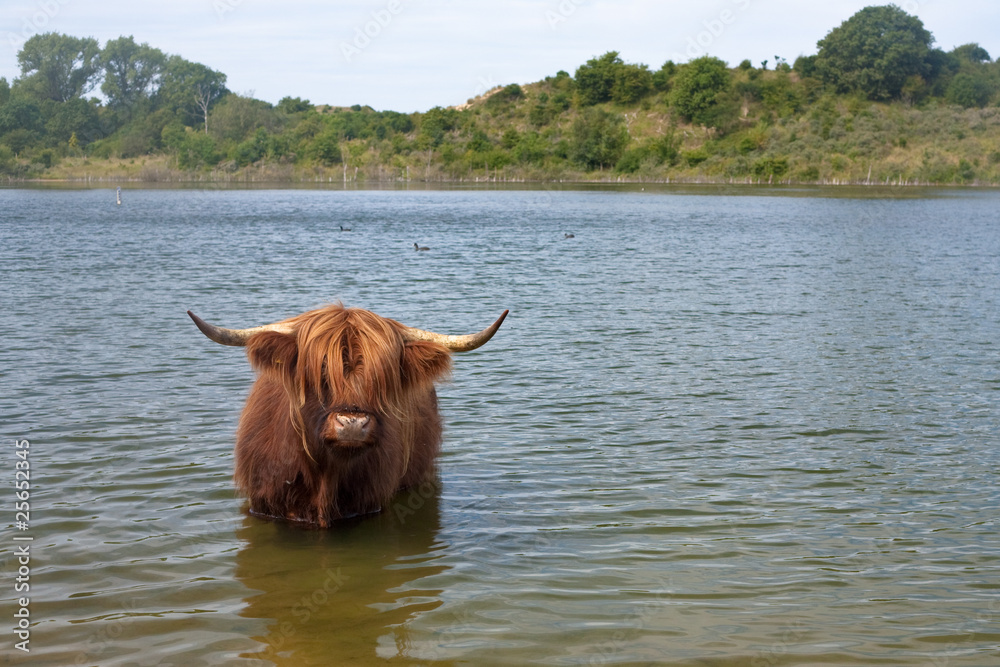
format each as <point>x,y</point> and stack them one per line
<point>349,429</point>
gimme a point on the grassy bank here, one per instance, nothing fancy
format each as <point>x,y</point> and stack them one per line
<point>833,141</point>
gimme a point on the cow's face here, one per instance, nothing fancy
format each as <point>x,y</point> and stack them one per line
<point>349,375</point>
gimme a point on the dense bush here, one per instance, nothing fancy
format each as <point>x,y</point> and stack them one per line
<point>599,139</point>
<point>698,87</point>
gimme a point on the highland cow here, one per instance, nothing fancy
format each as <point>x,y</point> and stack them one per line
<point>343,413</point>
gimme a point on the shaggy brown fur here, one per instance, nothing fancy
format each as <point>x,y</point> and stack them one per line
<point>343,414</point>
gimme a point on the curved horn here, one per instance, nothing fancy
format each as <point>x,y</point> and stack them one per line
<point>456,343</point>
<point>235,337</point>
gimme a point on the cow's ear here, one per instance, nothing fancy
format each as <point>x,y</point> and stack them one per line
<point>271,350</point>
<point>424,361</point>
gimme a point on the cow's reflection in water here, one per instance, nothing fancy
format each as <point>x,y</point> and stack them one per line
<point>333,596</point>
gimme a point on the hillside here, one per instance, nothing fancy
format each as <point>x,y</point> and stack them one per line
<point>931,117</point>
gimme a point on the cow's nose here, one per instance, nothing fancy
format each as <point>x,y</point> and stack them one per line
<point>351,427</point>
<point>353,420</point>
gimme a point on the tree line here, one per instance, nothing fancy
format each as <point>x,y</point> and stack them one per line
<point>761,120</point>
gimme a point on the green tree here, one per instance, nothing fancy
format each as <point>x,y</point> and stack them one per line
<point>434,125</point>
<point>805,66</point>
<point>609,79</point>
<point>6,159</point>
<point>697,88</point>
<point>325,147</point>
<point>531,148</point>
<point>77,117</point>
<point>131,73</point>
<point>4,91</point>
<point>292,105</point>
<point>662,77</point>
<point>780,95</point>
<point>970,89</point>
<point>632,83</point>
<point>194,150</point>
<point>595,79</point>
<point>479,142</point>
<point>398,122</point>
<point>191,89</point>
<point>941,67</point>
<point>22,139</point>
<point>510,139</point>
<point>770,167</point>
<point>253,149</point>
<point>236,117</point>
<point>972,53</point>
<point>143,135</point>
<point>599,139</point>
<point>59,67</point>
<point>874,52</point>
<point>20,114</point>
<point>662,150</point>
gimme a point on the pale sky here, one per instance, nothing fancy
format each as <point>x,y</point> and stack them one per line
<point>410,55</point>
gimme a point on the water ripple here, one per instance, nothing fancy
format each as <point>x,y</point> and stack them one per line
<point>714,430</point>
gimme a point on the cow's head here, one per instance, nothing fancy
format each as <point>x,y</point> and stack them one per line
<point>348,374</point>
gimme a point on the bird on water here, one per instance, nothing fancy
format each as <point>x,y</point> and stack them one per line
<point>420,247</point>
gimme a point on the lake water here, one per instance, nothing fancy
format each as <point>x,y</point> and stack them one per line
<point>717,428</point>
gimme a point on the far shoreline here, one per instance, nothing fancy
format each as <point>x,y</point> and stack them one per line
<point>678,187</point>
